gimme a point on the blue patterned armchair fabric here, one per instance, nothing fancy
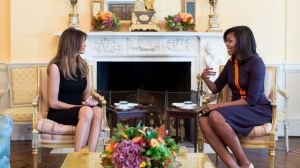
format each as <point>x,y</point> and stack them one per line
<point>6,129</point>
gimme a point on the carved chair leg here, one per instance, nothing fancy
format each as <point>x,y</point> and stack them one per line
<point>200,141</point>
<point>35,157</point>
<point>271,157</point>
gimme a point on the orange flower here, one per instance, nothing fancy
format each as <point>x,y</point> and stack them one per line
<point>161,131</point>
<point>189,16</point>
<point>168,161</point>
<point>161,140</point>
<point>174,154</point>
<point>184,20</point>
<point>109,14</point>
<point>153,143</point>
<point>110,146</point>
<point>137,139</point>
<point>104,17</point>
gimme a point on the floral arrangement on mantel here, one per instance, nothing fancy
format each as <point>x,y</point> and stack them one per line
<point>145,147</point>
<point>105,21</point>
<point>180,22</point>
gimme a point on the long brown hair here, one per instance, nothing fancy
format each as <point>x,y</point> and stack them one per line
<point>68,56</point>
<point>245,41</point>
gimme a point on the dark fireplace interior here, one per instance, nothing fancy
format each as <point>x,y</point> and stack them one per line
<point>153,84</point>
<point>149,76</point>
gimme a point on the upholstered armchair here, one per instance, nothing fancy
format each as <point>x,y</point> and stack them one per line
<point>21,88</point>
<point>6,128</point>
<point>262,136</point>
<point>49,134</point>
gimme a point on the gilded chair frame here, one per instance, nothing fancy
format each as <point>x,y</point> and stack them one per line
<point>265,141</point>
<point>36,143</point>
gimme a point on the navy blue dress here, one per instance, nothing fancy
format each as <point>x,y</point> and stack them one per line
<point>71,92</point>
<point>246,81</point>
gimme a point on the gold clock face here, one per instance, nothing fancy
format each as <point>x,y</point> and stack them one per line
<point>144,17</point>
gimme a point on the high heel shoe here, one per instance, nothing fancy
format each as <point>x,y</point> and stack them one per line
<point>251,165</point>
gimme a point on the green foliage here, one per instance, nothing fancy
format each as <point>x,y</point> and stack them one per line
<point>181,21</point>
<point>156,147</point>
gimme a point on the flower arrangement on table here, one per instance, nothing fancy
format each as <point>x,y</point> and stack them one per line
<point>105,21</point>
<point>136,147</point>
<point>181,21</point>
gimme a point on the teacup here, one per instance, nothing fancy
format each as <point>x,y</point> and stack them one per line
<point>188,104</point>
<point>123,104</point>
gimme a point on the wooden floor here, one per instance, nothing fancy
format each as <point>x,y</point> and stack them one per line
<point>21,156</point>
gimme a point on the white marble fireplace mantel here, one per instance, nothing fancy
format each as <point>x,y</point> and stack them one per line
<point>198,48</point>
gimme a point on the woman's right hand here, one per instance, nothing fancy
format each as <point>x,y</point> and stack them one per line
<point>207,72</point>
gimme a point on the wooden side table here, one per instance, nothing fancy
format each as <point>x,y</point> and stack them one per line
<point>120,115</point>
<point>178,113</point>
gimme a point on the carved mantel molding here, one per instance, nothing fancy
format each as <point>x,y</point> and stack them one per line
<point>199,48</point>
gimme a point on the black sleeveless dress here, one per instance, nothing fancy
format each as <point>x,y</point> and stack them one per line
<point>71,92</point>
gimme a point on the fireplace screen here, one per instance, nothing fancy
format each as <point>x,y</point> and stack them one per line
<point>153,85</point>
<point>156,103</point>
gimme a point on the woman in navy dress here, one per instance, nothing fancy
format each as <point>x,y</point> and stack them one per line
<point>69,90</point>
<point>244,73</point>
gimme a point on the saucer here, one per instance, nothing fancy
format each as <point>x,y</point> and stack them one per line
<point>186,105</point>
<point>125,106</point>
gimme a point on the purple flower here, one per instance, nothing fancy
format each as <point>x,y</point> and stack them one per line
<point>109,23</point>
<point>127,154</point>
<point>176,19</point>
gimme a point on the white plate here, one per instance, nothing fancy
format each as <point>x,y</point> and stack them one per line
<point>125,106</point>
<point>185,106</point>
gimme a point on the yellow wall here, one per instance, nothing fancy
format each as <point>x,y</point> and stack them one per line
<point>293,31</point>
<point>267,20</point>
<point>28,30</point>
<point>4,31</point>
<point>33,24</point>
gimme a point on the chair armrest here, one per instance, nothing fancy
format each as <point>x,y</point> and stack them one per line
<point>283,93</point>
<point>210,98</point>
<point>274,120</point>
<point>99,98</point>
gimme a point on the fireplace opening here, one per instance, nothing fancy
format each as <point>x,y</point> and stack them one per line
<point>150,76</point>
<point>155,85</point>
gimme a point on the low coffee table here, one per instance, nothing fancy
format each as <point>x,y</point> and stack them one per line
<point>93,160</point>
<point>178,113</point>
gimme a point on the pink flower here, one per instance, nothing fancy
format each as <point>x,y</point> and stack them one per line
<point>176,19</point>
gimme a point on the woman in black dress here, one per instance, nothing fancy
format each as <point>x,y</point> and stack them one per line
<point>244,73</point>
<point>69,90</point>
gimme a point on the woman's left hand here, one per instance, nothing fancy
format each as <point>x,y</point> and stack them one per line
<point>90,102</point>
<point>210,107</point>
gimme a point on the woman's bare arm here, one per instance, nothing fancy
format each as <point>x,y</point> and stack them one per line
<point>207,72</point>
<point>87,92</point>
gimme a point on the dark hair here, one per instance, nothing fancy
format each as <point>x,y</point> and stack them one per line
<point>245,41</point>
<point>68,55</point>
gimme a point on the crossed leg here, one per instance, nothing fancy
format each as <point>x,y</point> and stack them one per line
<point>85,117</point>
<point>224,131</point>
<point>215,142</point>
<point>95,128</point>
<point>88,128</point>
